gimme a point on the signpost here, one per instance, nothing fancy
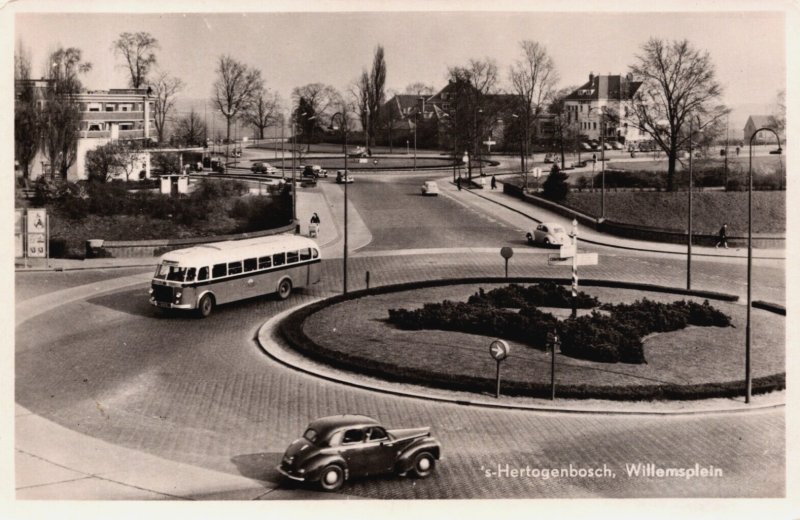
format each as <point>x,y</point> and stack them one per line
<point>499,351</point>
<point>506,252</point>
<point>489,144</point>
<point>37,233</point>
<point>553,342</point>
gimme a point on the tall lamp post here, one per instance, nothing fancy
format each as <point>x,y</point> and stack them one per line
<point>602,160</point>
<point>691,189</point>
<point>747,368</point>
<point>343,118</point>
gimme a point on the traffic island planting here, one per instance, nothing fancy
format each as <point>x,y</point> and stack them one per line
<point>694,355</point>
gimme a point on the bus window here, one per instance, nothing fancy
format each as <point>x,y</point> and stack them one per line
<point>219,270</point>
<point>202,274</point>
<point>314,253</point>
<point>176,274</point>
<point>305,254</point>
<point>278,259</point>
<point>264,262</point>
<point>190,274</point>
<point>292,257</point>
<point>234,268</point>
<point>249,265</point>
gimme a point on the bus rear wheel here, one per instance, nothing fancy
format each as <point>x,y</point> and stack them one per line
<point>284,288</point>
<point>205,306</point>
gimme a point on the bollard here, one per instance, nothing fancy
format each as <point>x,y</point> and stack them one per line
<point>367,278</point>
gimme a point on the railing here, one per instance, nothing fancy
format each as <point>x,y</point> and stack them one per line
<point>112,116</point>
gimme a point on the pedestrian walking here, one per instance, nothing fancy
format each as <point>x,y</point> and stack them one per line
<point>737,151</point>
<point>458,183</point>
<point>494,183</point>
<point>313,228</point>
<point>723,236</point>
<point>315,219</point>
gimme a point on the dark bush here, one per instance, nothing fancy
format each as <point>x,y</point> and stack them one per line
<point>602,338</point>
<point>546,294</point>
<point>555,187</point>
<point>58,247</point>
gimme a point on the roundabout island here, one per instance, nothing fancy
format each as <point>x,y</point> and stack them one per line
<point>701,357</point>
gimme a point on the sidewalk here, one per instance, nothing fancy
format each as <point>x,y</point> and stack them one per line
<point>587,235</point>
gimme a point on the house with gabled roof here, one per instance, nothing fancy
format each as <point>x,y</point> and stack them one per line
<point>759,121</point>
<point>609,93</point>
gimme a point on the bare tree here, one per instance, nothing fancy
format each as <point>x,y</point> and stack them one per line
<point>678,83</point>
<point>165,87</point>
<point>61,114</point>
<point>234,88</point>
<point>27,127</point>
<point>472,84</point>
<point>137,50</point>
<point>533,78</point>
<point>778,117</point>
<point>419,89</point>
<point>377,94</point>
<point>191,129</point>
<point>565,131</point>
<point>314,102</point>
<point>263,110</point>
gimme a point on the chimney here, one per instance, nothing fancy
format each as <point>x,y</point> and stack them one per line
<point>421,105</point>
<point>591,78</point>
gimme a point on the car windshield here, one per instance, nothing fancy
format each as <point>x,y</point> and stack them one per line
<point>311,435</point>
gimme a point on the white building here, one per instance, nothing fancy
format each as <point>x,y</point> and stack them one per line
<point>612,94</point>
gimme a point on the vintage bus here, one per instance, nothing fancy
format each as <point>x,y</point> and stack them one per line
<point>204,276</point>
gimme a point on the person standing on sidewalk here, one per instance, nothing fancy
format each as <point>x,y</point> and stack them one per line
<point>458,183</point>
<point>494,183</point>
<point>723,236</point>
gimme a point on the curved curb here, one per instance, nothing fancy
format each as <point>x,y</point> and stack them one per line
<point>266,340</point>
<point>617,246</point>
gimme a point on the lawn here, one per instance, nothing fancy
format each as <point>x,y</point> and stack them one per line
<point>669,210</point>
<point>694,355</point>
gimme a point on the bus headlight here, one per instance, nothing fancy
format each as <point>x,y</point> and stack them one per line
<point>150,291</point>
<point>178,295</point>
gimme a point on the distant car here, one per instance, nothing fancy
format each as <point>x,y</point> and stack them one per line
<point>343,177</point>
<point>236,153</point>
<point>585,145</point>
<point>430,188</point>
<point>549,157</point>
<point>359,152</point>
<point>777,151</point>
<point>549,234</point>
<point>607,145</point>
<point>272,181</point>
<point>616,145</point>
<point>318,170</point>
<point>262,167</point>
<point>339,448</point>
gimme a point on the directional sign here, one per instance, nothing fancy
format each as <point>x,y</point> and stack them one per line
<point>489,142</point>
<point>499,349</point>
<point>552,339</point>
<point>587,259</point>
<point>556,260</point>
<point>567,251</point>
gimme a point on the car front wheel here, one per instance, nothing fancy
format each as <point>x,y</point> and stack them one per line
<point>332,478</point>
<point>424,464</point>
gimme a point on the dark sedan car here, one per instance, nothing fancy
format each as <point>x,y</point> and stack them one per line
<point>335,449</point>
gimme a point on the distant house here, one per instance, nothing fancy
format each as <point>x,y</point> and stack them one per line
<point>612,93</point>
<point>106,115</point>
<point>431,115</point>
<point>756,122</point>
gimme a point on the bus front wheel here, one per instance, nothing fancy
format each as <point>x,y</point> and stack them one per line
<point>206,305</point>
<point>284,288</point>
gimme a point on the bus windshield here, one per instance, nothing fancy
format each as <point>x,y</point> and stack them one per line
<point>171,272</point>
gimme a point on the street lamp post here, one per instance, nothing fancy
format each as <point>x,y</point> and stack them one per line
<point>602,161</point>
<point>416,123</point>
<point>748,332</point>
<point>343,117</point>
<point>689,238</point>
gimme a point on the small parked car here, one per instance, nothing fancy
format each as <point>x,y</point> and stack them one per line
<point>342,447</point>
<point>262,167</point>
<point>616,145</point>
<point>318,170</point>
<point>343,177</point>
<point>585,145</point>
<point>359,152</point>
<point>430,188</point>
<point>548,234</point>
<point>549,157</point>
<point>237,152</point>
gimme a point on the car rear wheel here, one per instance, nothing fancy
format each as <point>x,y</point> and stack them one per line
<point>284,288</point>
<point>332,478</point>
<point>206,305</point>
<point>424,464</point>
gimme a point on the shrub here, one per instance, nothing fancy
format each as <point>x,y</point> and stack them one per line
<point>546,294</point>
<point>555,187</point>
<point>601,338</point>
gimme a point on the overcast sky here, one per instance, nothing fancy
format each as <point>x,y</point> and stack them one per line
<point>293,49</point>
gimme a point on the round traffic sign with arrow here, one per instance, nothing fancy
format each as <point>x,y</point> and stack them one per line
<point>499,349</point>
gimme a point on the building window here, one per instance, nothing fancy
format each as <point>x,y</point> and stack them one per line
<point>94,107</point>
<point>126,126</point>
<point>594,126</point>
<point>96,127</point>
<point>109,107</point>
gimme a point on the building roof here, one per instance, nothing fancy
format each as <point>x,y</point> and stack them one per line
<point>760,121</point>
<point>208,254</point>
<point>606,87</point>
